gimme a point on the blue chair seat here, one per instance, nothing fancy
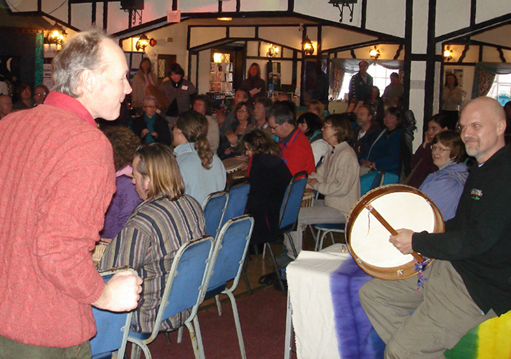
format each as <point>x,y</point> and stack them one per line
<point>215,291</point>
<point>141,336</point>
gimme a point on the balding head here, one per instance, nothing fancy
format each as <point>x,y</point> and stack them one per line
<point>483,123</point>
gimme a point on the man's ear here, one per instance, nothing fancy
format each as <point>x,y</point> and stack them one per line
<point>501,127</point>
<point>88,83</point>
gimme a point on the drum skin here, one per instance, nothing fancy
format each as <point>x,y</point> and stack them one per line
<point>368,240</point>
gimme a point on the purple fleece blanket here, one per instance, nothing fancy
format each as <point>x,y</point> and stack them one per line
<point>356,337</point>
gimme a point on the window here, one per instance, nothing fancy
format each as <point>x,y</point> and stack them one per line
<point>501,88</point>
<point>381,79</point>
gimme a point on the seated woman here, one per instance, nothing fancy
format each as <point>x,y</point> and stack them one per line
<point>337,179</point>
<point>384,151</point>
<point>445,186</point>
<point>310,124</point>
<point>202,170</point>
<point>231,144</point>
<point>151,127</point>
<point>422,161</point>
<point>24,98</point>
<point>124,143</point>
<point>317,108</point>
<point>154,232</point>
<point>269,177</point>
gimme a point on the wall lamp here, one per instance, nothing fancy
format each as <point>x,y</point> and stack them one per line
<point>448,54</point>
<point>340,4</point>
<point>307,46</point>
<point>273,50</point>
<point>143,42</point>
<point>57,35</point>
<point>374,53</point>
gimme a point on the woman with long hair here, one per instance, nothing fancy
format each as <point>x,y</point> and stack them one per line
<point>142,79</point>
<point>254,84</point>
<point>165,220</point>
<point>202,170</point>
<point>269,177</point>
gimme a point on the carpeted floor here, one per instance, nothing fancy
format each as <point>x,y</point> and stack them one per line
<point>262,317</point>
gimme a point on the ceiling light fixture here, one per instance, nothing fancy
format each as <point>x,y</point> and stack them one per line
<point>374,53</point>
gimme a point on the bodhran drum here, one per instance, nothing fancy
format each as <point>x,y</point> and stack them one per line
<point>232,164</point>
<point>368,238</point>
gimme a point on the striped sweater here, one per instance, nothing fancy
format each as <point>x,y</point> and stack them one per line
<point>148,242</point>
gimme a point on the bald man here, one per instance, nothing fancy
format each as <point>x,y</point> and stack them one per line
<point>469,282</point>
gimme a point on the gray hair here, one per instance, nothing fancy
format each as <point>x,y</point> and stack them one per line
<point>82,52</point>
<point>149,98</point>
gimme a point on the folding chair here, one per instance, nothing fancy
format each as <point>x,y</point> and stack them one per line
<point>288,218</point>
<point>112,327</point>
<point>238,196</point>
<point>214,209</point>
<point>232,243</point>
<point>185,288</point>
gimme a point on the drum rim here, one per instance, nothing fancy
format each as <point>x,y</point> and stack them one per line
<point>405,270</point>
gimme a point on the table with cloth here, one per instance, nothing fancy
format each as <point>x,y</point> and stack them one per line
<point>329,322</point>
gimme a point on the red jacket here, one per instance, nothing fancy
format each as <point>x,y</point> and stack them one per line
<point>56,180</point>
<point>296,151</point>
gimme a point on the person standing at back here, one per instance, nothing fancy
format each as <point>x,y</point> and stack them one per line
<point>57,179</point>
<point>360,84</point>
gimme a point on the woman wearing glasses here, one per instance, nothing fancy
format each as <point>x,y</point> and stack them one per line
<point>444,187</point>
<point>151,127</point>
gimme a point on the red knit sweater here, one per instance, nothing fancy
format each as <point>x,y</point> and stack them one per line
<point>56,181</point>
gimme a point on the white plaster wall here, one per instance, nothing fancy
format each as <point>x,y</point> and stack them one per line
<point>324,10</point>
<point>252,48</point>
<point>229,6</point>
<point>289,36</point>
<point>81,16</point>
<point>489,9</point>
<point>452,15</point>
<point>203,81</point>
<point>266,5</point>
<point>196,5</point>
<point>333,37</point>
<point>203,35</point>
<point>242,31</point>
<point>29,5</point>
<point>52,8</point>
<point>499,36</point>
<point>417,93</point>
<point>117,20</point>
<point>386,16</point>
<point>420,27</point>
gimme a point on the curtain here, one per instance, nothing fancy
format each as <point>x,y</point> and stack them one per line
<point>485,75</point>
<point>39,58</point>
<point>337,76</point>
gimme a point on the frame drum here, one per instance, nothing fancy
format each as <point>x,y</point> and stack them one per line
<point>368,240</point>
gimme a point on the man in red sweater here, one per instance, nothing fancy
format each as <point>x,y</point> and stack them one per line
<point>56,181</point>
<point>295,148</point>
